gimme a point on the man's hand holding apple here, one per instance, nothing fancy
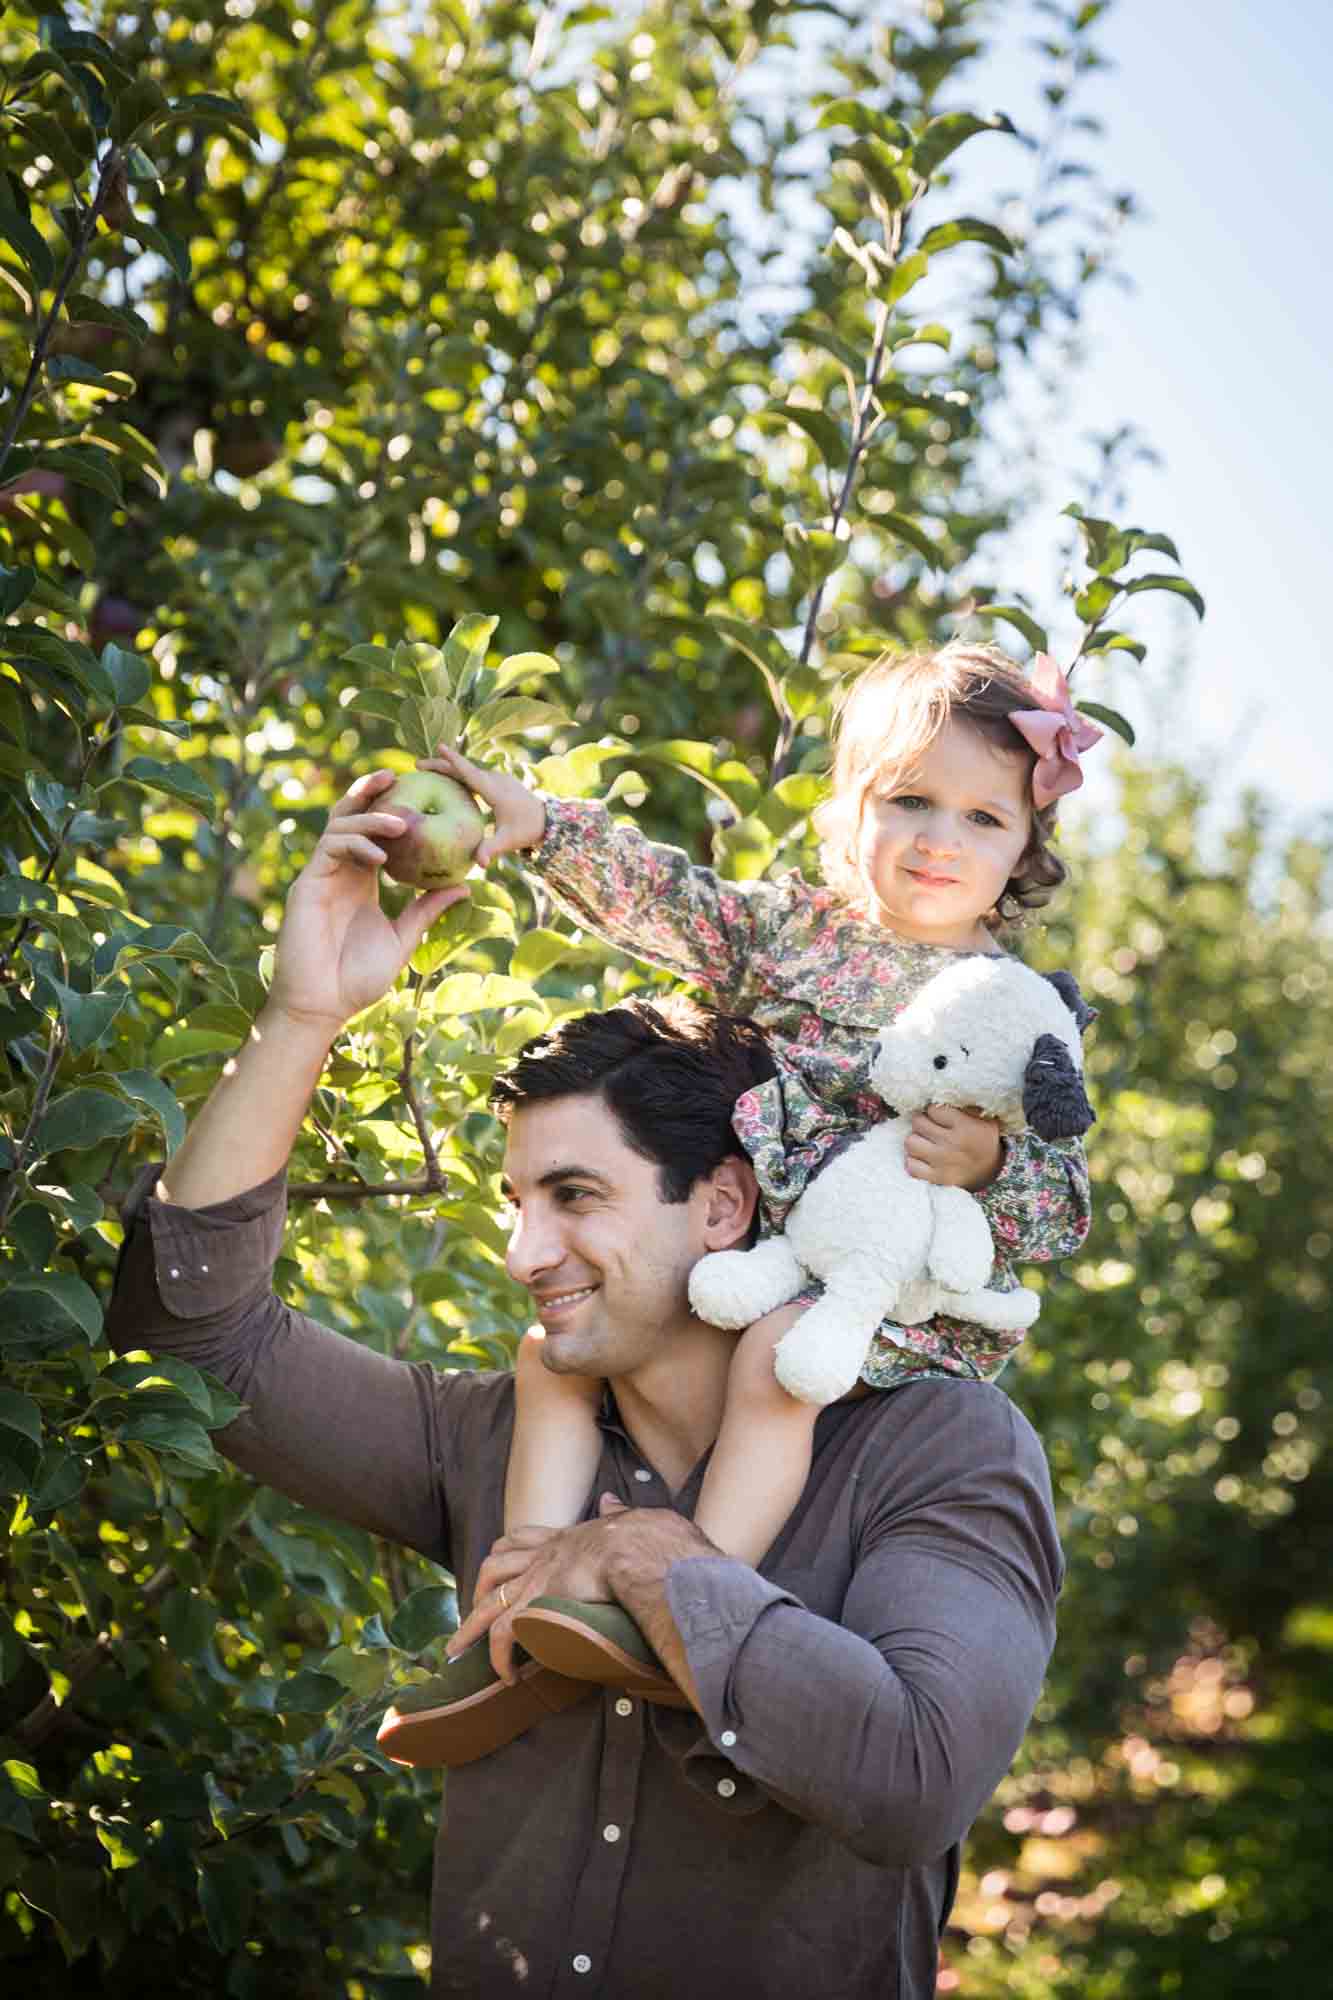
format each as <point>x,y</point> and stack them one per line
<point>338,952</point>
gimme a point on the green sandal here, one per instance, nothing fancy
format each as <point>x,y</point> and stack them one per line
<point>467,1711</point>
<point>598,1643</point>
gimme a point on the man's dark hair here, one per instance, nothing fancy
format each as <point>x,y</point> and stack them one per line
<point>669,1071</point>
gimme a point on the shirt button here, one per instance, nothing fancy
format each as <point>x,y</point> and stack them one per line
<point>641,1472</point>
<point>582,1962</point>
<point>727,1739</point>
<point>174,1272</point>
<point>726,1788</point>
<point>624,1706</point>
<point>611,1833</point>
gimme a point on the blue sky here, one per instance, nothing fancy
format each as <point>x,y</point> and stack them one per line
<point>1219,118</point>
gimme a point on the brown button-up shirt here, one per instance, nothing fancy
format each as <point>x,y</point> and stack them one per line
<point>862,1695</point>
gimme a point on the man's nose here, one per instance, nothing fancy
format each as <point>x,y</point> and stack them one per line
<point>534,1246</point>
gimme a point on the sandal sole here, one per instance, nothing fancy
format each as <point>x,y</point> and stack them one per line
<point>573,1649</point>
<point>460,1732</point>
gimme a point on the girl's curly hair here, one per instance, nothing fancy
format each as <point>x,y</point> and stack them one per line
<point>888,719</point>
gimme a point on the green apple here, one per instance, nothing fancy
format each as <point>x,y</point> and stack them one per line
<point>436,846</point>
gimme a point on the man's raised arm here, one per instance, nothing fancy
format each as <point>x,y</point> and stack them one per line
<point>337,954</point>
<point>329,1422</point>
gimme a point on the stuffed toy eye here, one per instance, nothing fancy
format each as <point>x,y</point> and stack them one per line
<point>941,1062</point>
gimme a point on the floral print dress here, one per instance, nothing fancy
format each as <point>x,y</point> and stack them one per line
<point>822,983</point>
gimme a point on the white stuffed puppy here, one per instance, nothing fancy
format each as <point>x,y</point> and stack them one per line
<point>987,1034</point>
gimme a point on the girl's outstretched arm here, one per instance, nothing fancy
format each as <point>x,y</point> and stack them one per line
<point>642,896</point>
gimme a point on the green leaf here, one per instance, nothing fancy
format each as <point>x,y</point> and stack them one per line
<point>86,465</point>
<point>806,331</point>
<point>182,781</point>
<point>743,850</point>
<point>465,651</point>
<point>850,111</point>
<point>824,430</point>
<point>538,950</point>
<point>60,1478</point>
<point>126,1378</point>
<point>204,107</point>
<point>170,248</point>
<point>81,1118</point>
<point>360,1673</point>
<point>72,1299</point>
<point>1022,621</point>
<point>522,667</point>
<point>84,310</point>
<point>513,715</point>
<point>424,1616</point>
<point>88,1017</point>
<point>130,674</point>
<point>16,587</point>
<point>73,368</point>
<point>906,530</point>
<point>1096,598</point>
<point>176,1437</point>
<point>308,1693</point>
<point>1111,718</point>
<point>476,992</point>
<point>135,107</point>
<point>378,658</point>
<point>28,245</point>
<point>815,552</point>
<point>20,1413</point>
<point>1179,585</point>
<point>966,229</point>
<point>226,1898</point>
<point>907,272</point>
<point>944,135</point>
<point>146,1087</point>
<point>1108,640</point>
<point>884,171</point>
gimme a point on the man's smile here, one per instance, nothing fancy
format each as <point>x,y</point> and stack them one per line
<point>559,1303</point>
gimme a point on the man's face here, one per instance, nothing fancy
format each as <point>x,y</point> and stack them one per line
<point>606,1259</point>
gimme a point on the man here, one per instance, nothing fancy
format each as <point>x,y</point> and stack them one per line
<point>794,1831</point>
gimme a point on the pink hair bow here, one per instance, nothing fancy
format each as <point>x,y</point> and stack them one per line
<point>1056,731</point>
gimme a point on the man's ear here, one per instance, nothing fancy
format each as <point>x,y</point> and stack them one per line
<point>730,1197</point>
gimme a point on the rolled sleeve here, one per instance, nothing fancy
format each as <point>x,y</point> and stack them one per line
<point>344,1430</point>
<point>192,1263</point>
<point>891,1727</point>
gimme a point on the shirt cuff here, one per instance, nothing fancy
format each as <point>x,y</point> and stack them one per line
<point>715,1603</point>
<point>205,1260</point>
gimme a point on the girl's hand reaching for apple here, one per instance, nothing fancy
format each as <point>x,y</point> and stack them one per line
<point>338,952</point>
<point>519,814</point>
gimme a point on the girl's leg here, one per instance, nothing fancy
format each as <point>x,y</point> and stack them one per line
<point>761,1460</point>
<point>554,1456</point>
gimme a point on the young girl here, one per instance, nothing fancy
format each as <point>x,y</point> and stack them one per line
<point>935,836</point>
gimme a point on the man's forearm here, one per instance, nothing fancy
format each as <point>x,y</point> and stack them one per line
<point>246,1130</point>
<point>647,1545</point>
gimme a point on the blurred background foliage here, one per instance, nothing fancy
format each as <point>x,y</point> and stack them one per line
<point>325,326</point>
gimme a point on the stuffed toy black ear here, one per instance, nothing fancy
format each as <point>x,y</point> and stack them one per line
<point>1066,986</point>
<point>1055,1103</point>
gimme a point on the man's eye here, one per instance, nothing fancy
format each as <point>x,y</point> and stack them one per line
<point>569,1194</point>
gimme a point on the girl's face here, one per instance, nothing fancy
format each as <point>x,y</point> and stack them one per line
<point>938,847</point>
